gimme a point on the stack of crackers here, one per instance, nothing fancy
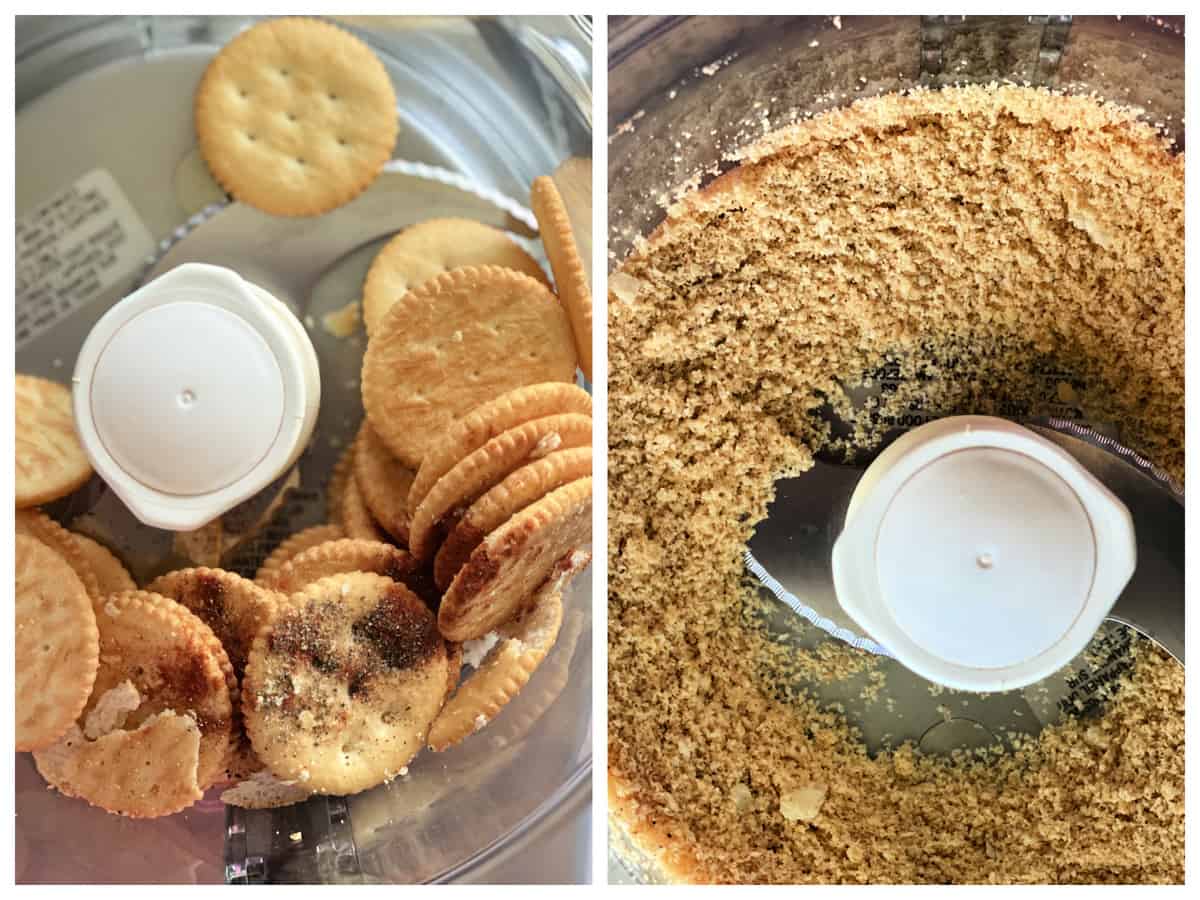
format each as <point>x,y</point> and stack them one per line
<point>330,670</point>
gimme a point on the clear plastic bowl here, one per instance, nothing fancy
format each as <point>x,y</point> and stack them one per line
<point>687,92</point>
<point>496,100</point>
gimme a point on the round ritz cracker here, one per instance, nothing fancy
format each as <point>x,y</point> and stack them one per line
<point>342,556</point>
<point>383,482</point>
<point>340,690</point>
<point>66,544</point>
<point>570,277</point>
<point>145,772</point>
<point>57,644</point>
<point>486,467</point>
<point>295,117</point>
<point>356,517</point>
<point>507,667</point>
<point>50,460</point>
<point>235,608</point>
<point>464,337</point>
<point>111,575</point>
<point>506,569</point>
<point>426,249</point>
<point>555,669</point>
<point>293,547</point>
<point>520,646</point>
<point>176,664</point>
<point>474,429</point>
<point>522,487</point>
<point>556,673</point>
<point>339,480</point>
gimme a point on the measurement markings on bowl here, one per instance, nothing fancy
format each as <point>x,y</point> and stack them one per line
<point>72,248</point>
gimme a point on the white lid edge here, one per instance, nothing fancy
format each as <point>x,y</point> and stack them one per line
<point>854,564</point>
<point>294,354</point>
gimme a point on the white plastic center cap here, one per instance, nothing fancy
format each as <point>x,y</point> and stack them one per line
<point>971,547</point>
<point>194,393</point>
<point>187,398</point>
<point>982,555</point>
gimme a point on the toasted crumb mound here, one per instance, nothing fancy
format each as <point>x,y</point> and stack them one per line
<point>969,237</point>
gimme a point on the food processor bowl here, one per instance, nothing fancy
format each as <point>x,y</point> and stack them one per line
<point>688,94</point>
<point>104,119</point>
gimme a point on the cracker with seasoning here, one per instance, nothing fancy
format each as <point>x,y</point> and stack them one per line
<point>341,689</point>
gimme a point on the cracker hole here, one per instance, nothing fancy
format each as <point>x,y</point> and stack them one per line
<point>284,73</point>
<point>343,142</point>
<point>333,97</point>
<point>291,117</point>
<point>251,136</point>
<point>243,93</point>
<point>300,160</point>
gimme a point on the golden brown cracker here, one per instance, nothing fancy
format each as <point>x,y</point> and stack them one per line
<point>111,575</point>
<point>356,518</point>
<point>556,673</point>
<point>510,564</point>
<point>383,482</point>
<point>292,547</point>
<point>339,479</point>
<point>295,116</point>
<point>50,460</point>
<point>341,688</point>
<point>234,607</point>
<point>570,276</point>
<point>391,276</point>
<point>144,772</point>
<point>463,338</point>
<point>520,488</point>
<point>573,178</point>
<point>37,524</point>
<point>422,251</point>
<point>474,429</point>
<point>506,669</point>
<point>112,710</point>
<point>175,662</point>
<point>342,556</point>
<point>57,645</point>
<point>487,466</point>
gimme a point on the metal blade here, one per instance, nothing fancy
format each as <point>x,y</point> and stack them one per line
<point>791,549</point>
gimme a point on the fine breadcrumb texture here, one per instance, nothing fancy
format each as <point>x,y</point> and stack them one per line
<point>973,239</point>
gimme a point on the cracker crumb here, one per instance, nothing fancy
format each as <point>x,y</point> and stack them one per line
<point>741,797</point>
<point>930,235</point>
<point>343,322</point>
<point>475,650</point>
<point>546,444</point>
<point>802,804</point>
